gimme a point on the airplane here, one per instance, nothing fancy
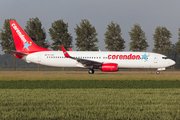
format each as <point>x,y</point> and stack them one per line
<point>106,61</point>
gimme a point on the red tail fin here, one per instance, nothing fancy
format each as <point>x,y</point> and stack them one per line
<point>22,41</point>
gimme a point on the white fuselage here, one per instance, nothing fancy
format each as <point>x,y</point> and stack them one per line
<point>123,59</point>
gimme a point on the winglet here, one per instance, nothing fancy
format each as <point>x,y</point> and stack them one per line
<point>65,52</point>
<point>70,49</point>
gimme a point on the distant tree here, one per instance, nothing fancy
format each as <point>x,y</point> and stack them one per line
<point>175,55</point>
<point>35,31</point>
<point>162,43</point>
<point>138,39</point>
<point>177,50</point>
<point>86,36</point>
<point>7,41</point>
<point>178,43</point>
<point>6,38</point>
<point>60,36</point>
<point>113,38</point>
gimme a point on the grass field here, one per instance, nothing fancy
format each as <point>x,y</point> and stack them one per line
<point>89,84</point>
<point>40,95</point>
<point>83,75</point>
<point>90,104</point>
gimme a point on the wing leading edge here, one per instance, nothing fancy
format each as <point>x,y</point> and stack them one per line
<point>84,62</point>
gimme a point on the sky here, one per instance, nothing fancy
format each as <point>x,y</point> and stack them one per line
<point>148,13</point>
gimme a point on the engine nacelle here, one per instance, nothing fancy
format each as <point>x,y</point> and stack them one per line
<point>109,67</point>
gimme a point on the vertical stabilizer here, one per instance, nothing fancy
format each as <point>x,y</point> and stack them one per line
<point>23,42</point>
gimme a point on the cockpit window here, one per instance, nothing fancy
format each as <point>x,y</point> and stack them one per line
<point>165,58</point>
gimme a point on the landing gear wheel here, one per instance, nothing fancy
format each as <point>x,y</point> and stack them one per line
<point>91,71</point>
<point>157,72</point>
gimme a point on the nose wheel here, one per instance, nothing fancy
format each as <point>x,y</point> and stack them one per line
<point>91,71</point>
<point>157,72</point>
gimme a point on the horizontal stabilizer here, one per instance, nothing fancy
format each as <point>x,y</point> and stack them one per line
<point>19,55</point>
<point>19,52</point>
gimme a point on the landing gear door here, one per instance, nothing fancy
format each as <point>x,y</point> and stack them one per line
<point>155,59</point>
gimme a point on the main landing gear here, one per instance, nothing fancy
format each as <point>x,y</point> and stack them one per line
<point>157,72</point>
<point>91,71</point>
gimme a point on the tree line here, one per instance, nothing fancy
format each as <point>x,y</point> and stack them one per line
<point>86,37</point>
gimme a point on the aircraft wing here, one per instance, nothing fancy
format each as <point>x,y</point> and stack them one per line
<point>89,62</point>
<point>84,62</point>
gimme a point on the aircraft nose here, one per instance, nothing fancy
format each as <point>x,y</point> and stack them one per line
<point>172,62</point>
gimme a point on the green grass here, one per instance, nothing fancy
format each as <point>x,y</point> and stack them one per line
<point>88,84</point>
<point>83,75</point>
<point>89,104</point>
<point>73,95</point>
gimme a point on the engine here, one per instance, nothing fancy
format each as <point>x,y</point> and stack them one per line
<point>109,67</point>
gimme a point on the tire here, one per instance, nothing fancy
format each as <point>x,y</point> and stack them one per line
<point>91,71</point>
<point>157,72</point>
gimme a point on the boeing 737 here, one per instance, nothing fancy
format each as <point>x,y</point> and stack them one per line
<point>106,61</point>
